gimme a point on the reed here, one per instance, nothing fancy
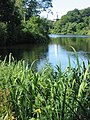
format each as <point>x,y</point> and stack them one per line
<point>47,95</point>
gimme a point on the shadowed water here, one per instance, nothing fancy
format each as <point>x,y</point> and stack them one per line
<point>56,52</point>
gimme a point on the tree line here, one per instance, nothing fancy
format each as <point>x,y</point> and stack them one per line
<point>20,21</point>
<point>74,22</point>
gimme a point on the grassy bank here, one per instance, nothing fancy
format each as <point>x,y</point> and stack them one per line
<point>49,95</point>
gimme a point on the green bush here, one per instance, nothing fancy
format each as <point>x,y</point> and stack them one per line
<point>35,30</point>
<point>36,25</point>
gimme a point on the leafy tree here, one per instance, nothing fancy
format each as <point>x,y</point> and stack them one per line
<point>85,12</point>
<point>10,15</point>
<point>36,25</point>
<point>74,22</point>
<point>13,12</point>
<point>9,12</point>
<point>35,7</point>
<point>74,16</point>
<point>64,19</point>
<point>80,26</point>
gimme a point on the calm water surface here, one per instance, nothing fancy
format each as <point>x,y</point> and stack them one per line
<point>56,52</point>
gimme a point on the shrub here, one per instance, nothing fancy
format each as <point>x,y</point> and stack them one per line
<point>50,94</point>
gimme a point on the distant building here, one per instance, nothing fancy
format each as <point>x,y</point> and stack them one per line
<point>56,18</point>
<point>52,16</point>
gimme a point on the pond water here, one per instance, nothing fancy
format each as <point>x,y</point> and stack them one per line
<point>56,52</point>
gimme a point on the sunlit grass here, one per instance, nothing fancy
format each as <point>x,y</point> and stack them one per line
<point>47,95</point>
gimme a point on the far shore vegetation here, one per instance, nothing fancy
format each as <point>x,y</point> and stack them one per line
<point>74,22</point>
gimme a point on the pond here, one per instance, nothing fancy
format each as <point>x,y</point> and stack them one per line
<point>56,52</point>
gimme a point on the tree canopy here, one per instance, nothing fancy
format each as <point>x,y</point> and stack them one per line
<point>34,7</point>
<point>74,22</point>
<point>14,12</point>
<point>11,8</point>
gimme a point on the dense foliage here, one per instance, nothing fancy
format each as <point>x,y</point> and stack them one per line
<point>74,22</point>
<point>17,13</point>
<point>47,95</point>
<point>36,25</point>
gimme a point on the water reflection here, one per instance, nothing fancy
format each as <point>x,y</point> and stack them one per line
<point>56,52</point>
<point>29,53</point>
<point>80,44</point>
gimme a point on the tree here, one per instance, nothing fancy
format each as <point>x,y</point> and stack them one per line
<point>75,16</point>
<point>13,12</point>
<point>74,22</point>
<point>36,25</point>
<point>35,7</point>
<point>8,11</point>
<point>9,14</point>
<point>86,12</point>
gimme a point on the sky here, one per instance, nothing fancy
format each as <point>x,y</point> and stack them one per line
<point>61,7</point>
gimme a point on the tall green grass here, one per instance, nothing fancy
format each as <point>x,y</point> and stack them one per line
<point>46,95</point>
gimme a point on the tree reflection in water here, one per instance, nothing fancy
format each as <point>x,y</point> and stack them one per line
<point>56,51</point>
